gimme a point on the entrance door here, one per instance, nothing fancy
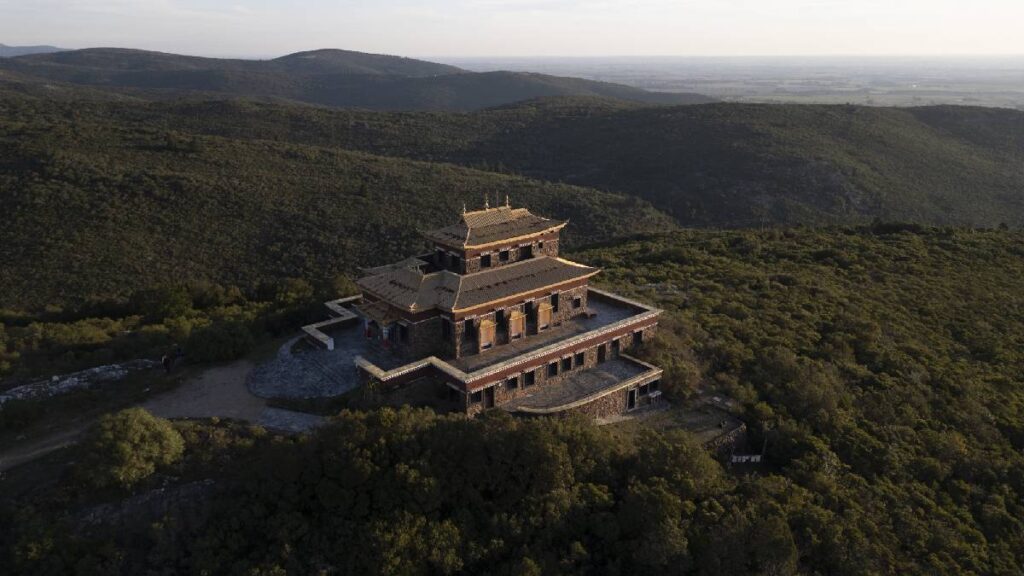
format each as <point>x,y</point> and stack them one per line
<point>630,399</point>
<point>601,353</point>
<point>489,397</point>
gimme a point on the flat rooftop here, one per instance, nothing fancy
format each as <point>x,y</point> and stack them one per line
<point>604,311</point>
<point>580,385</point>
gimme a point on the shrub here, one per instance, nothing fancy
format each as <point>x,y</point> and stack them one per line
<point>125,448</point>
<point>220,341</point>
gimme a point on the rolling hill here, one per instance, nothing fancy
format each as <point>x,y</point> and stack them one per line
<point>334,78</point>
<point>97,207</point>
<point>719,165</point>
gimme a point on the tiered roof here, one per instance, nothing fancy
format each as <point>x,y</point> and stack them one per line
<point>410,289</point>
<point>483,227</point>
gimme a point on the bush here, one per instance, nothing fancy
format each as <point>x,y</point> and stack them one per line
<point>220,342</point>
<point>125,448</point>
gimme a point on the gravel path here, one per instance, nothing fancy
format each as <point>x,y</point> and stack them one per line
<point>309,373</point>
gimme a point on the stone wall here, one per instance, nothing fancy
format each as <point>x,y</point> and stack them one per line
<point>549,248</point>
<point>605,406</point>
<point>503,393</point>
<point>425,339</point>
<point>467,345</point>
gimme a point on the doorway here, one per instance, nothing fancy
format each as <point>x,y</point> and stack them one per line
<point>631,399</point>
<point>489,398</point>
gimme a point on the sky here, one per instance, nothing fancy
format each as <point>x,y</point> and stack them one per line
<point>421,28</point>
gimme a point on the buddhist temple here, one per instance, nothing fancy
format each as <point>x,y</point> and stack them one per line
<point>495,318</point>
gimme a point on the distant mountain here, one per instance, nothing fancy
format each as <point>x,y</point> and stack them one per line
<point>12,51</point>
<point>326,77</point>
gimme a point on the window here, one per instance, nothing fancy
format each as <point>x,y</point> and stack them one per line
<point>486,334</point>
<point>476,396</point>
<point>512,383</point>
<point>553,369</point>
<point>554,302</point>
<point>543,316</point>
<point>638,339</point>
<point>516,325</point>
<point>577,302</point>
<point>503,256</point>
<point>580,359</point>
<point>529,378</point>
<point>643,389</point>
<point>540,246</point>
<point>654,385</point>
<point>602,354</point>
<point>467,327</point>
<point>566,363</point>
<point>525,252</point>
<point>485,261</point>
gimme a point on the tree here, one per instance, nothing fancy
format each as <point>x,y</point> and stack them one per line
<point>125,448</point>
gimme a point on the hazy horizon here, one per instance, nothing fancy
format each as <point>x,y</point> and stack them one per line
<point>526,28</point>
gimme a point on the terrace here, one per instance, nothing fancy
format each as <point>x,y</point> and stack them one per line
<point>586,386</point>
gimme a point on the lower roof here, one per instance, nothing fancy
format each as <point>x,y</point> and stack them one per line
<point>409,288</point>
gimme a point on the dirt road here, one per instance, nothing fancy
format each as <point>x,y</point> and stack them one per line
<point>219,391</point>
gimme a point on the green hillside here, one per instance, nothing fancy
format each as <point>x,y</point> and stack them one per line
<point>708,165</point>
<point>884,365</point>
<point>96,207</point>
<point>336,78</point>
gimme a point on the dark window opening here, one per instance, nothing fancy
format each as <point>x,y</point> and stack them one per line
<point>577,302</point>
<point>643,389</point>
<point>580,359</point>
<point>456,264</point>
<point>566,364</point>
<point>503,255</point>
<point>638,339</point>
<point>602,353</point>
<point>485,261</point>
<point>476,396</point>
<point>654,385</point>
<point>525,252</point>
<point>529,378</point>
<point>554,302</point>
<point>513,383</point>
<point>615,347</point>
<point>540,245</point>
<point>553,369</point>
<point>468,326</point>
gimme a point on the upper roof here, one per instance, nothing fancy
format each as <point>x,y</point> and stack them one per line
<point>411,289</point>
<point>490,225</point>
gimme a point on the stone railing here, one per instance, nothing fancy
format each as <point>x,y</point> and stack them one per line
<point>341,315</point>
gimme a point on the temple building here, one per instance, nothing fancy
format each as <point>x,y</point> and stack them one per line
<point>495,318</point>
